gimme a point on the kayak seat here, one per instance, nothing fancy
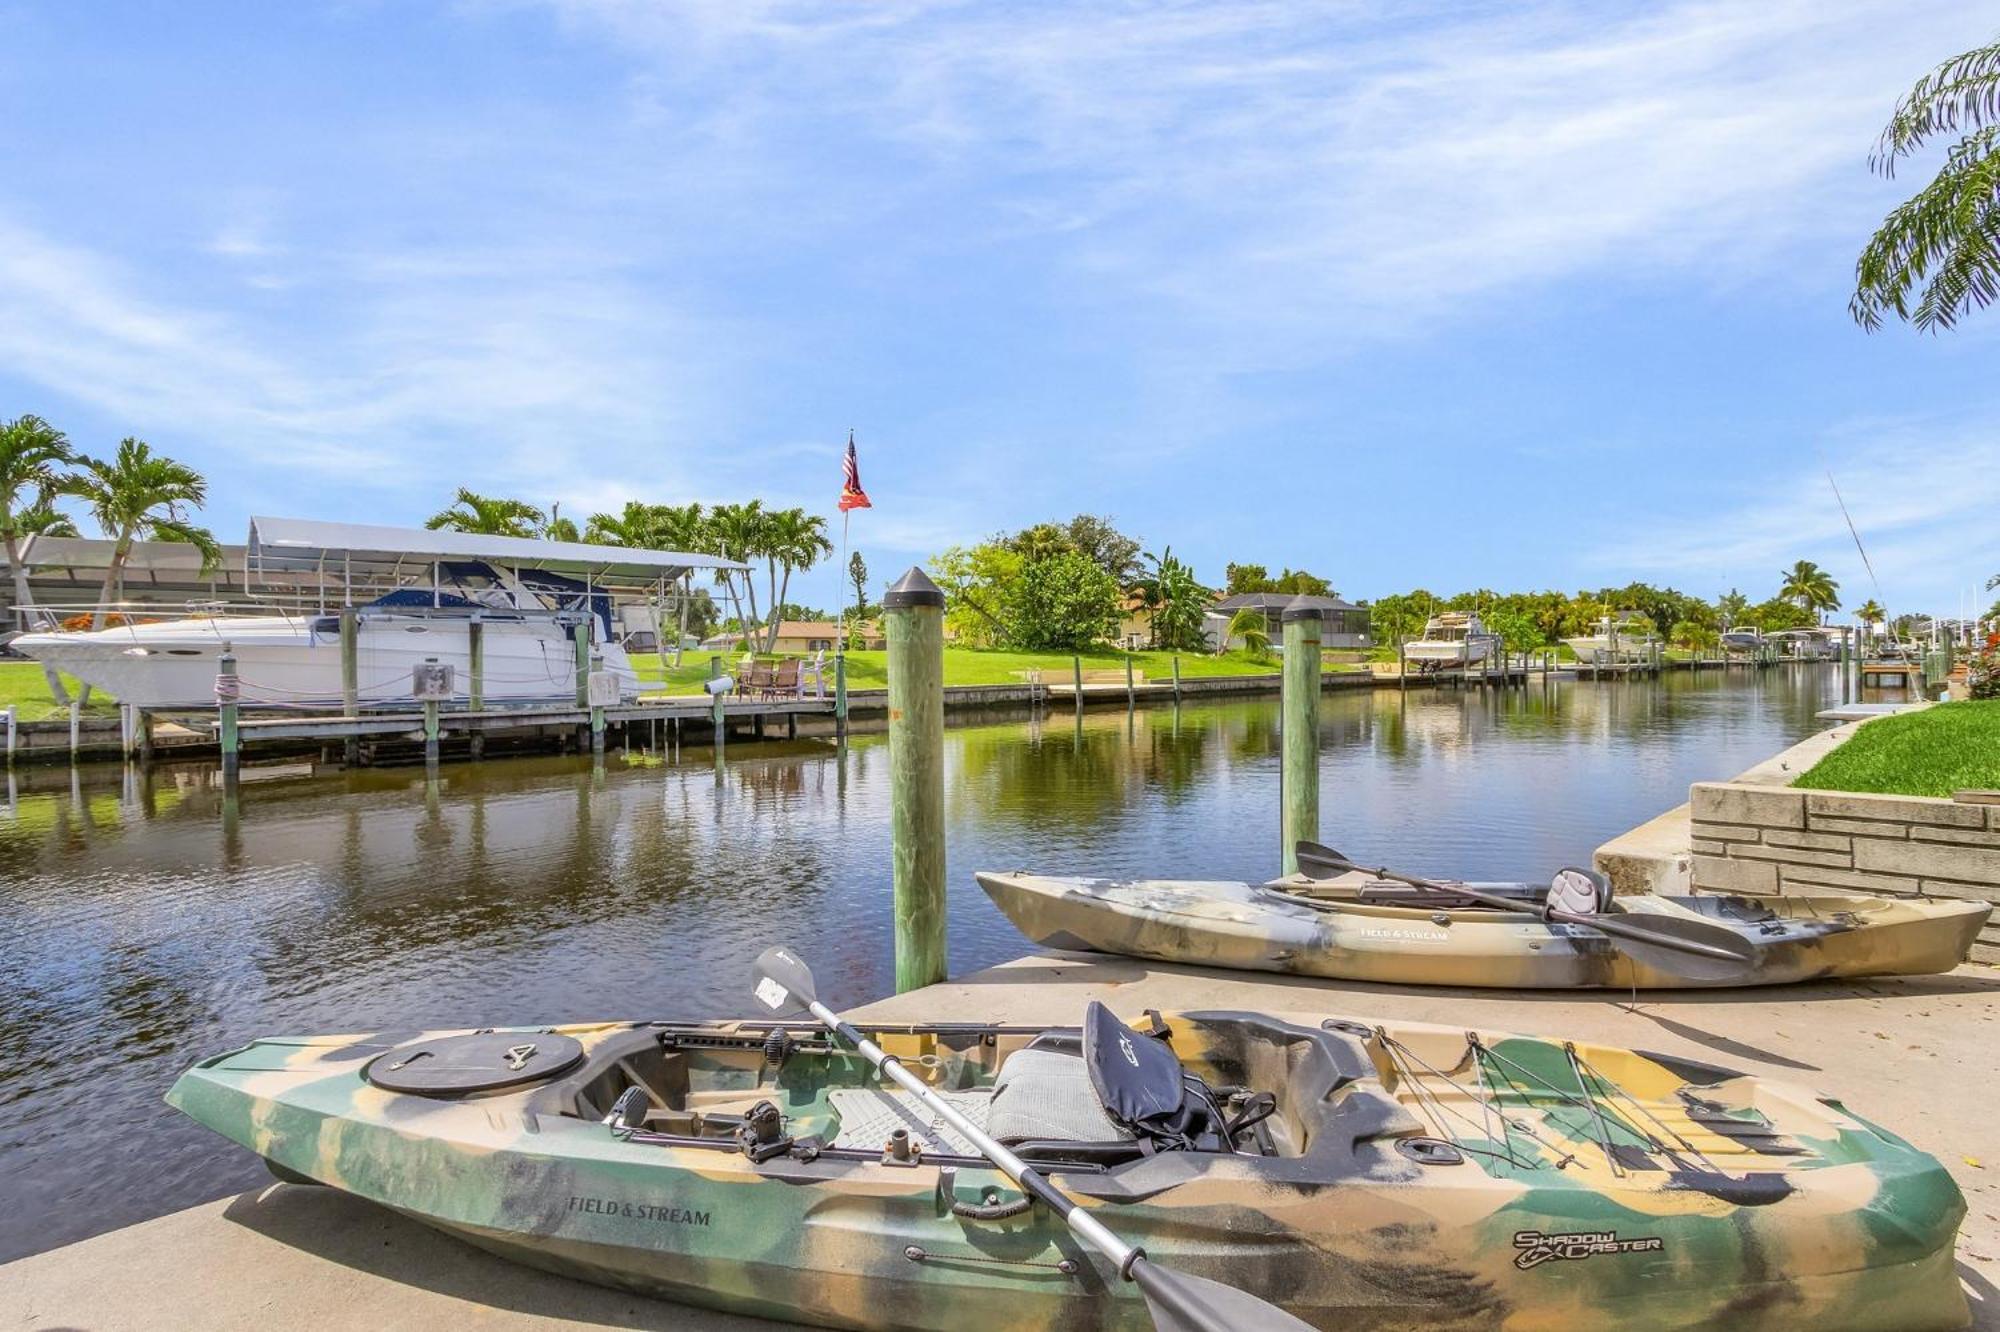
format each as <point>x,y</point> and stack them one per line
<point>1045,1095</point>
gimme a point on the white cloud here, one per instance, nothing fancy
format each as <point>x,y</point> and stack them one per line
<point>1922,495</point>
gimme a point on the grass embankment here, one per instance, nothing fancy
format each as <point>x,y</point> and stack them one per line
<point>1951,747</point>
<point>979,666</point>
<point>24,688</point>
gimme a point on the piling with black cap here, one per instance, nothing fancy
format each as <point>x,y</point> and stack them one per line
<point>913,612</point>
<point>1299,731</point>
<point>228,689</point>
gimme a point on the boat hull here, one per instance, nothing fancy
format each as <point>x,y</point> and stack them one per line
<point>1843,1226</point>
<point>292,661</point>
<point>1252,928</point>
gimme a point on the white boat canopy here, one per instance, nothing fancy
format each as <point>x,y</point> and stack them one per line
<point>364,553</point>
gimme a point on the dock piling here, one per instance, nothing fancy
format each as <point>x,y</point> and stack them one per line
<point>596,709</point>
<point>1076,677</point>
<point>476,643</point>
<point>1177,679</point>
<point>1131,699</point>
<point>582,639</point>
<point>914,611</point>
<point>75,728</point>
<point>840,697</point>
<point>11,736</point>
<point>350,677</point>
<point>228,690</point>
<point>1299,732</point>
<point>716,717</point>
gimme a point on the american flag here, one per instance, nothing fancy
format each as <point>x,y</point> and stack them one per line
<point>852,496</point>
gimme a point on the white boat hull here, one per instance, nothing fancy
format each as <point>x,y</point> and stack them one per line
<point>1447,653</point>
<point>294,661</point>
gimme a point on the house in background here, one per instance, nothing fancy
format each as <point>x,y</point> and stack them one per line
<point>1135,624</point>
<point>798,637</point>
<point>1343,624</point>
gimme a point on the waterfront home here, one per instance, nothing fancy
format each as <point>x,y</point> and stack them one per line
<point>1343,624</point>
<point>797,637</point>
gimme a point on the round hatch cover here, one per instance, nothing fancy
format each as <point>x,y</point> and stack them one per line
<point>487,1061</point>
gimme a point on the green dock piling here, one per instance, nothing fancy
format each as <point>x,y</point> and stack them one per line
<point>914,611</point>
<point>583,662</point>
<point>1299,732</point>
<point>1076,677</point>
<point>840,697</point>
<point>716,715</point>
<point>350,677</point>
<point>1177,679</point>
<point>1130,697</point>
<point>596,712</point>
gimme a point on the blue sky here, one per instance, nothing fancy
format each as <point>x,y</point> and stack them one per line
<point>1511,295</point>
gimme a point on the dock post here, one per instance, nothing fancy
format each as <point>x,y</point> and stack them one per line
<point>1299,732</point>
<point>1177,679</point>
<point>1130,698</point>
<point>840,698</point>
<point>1076,675</point>
<point>430,732</point>
<point>715,713</point>
<point>1402,667</point>
<point>596,713</point>
<point>914,611</point>
<point>75,728</point>
<point>583,662</point>
<point>12,736</point>
<point>128,731</point>
<point>350,677</point>
<point>227,691</point>
<point>476,641</point>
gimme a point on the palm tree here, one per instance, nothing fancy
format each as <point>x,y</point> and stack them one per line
<point>1871,612</point>
<point>793,540</point>
<point>140,494</point>
<point>632,526</point>
<point>1249,625</point>
<point>738,533</point>
<point>1730,608</point>
<point>559,528</point>
<point>32,456</point>
<point>1947,237</point>
<point>1811,586</point>
<point>682,527</point>
<point>487,515</point>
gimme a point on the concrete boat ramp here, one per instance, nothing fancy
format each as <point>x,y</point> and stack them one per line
<point>1915,1055</point>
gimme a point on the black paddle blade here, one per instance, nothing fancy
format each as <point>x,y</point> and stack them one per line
<point>1320,862</point>
<point>1183,1303</point>
<point>1663,943</point>
<point>784,983</point>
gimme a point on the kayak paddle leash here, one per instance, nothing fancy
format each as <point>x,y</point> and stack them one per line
<point>1177,1302</point>
<point>1692,948</point>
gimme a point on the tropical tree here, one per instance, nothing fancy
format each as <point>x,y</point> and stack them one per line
<point>487,515</point>
<point>857,574</point>
<point>1249,625</point>
<point>559,528</point>
<point>1730,608</point>
<point>793,540</point>
<point>1175,602</point>
<point>138,494</point>
<point>737,531</point>
<point>1063,603</point>
<point>33,454</point>
<point>1393,618</point>
<point>1871,613</point>
<point>1811,587</point>
<point>1946,239</point>
<point>632,526</point>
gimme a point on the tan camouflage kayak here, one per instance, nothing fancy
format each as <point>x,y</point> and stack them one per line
<point>1354,928</point>
<point>1360,1175</point>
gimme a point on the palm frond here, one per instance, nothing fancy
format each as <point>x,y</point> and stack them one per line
<point>1963,91</point>
<point>1946,239</point>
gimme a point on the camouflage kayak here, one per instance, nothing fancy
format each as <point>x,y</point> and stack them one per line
<point>1360,1175</point>
<point>1357,929</point>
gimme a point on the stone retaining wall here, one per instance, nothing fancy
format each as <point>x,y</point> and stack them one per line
<point>1761,839</point>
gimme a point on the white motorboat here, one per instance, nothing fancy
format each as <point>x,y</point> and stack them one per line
<point>1743,638</point>
<point>1626,638</point>
<point>1453,638</point>
<point>438,585</point>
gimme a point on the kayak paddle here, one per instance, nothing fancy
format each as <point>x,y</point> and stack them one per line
<point>1677,944</point>
<point>1178,1302</point>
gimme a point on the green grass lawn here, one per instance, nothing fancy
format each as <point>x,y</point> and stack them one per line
<point>980,666</point>
<point>1951,747</point>
<point>24,688</point>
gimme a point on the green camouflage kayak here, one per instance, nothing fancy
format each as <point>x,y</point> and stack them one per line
<point>1359,1175</point>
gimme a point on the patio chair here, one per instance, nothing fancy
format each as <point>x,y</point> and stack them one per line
<point>814,670</point>
<point>785,683</point>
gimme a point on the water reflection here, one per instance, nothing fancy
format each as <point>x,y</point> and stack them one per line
<point>147,919</point>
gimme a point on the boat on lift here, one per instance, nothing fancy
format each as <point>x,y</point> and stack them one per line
<point>1452,638</point>
<point>1627,637</point>
<point>424,593</point>
<point>1742,640</point>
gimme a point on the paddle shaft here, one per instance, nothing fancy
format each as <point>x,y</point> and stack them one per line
<point>1082,1223</point>
<point>1615,929</point>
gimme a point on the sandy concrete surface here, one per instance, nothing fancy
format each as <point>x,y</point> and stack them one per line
<point>1915,1055</point>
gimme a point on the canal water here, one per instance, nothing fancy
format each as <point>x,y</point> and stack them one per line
<point>143,926</point>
